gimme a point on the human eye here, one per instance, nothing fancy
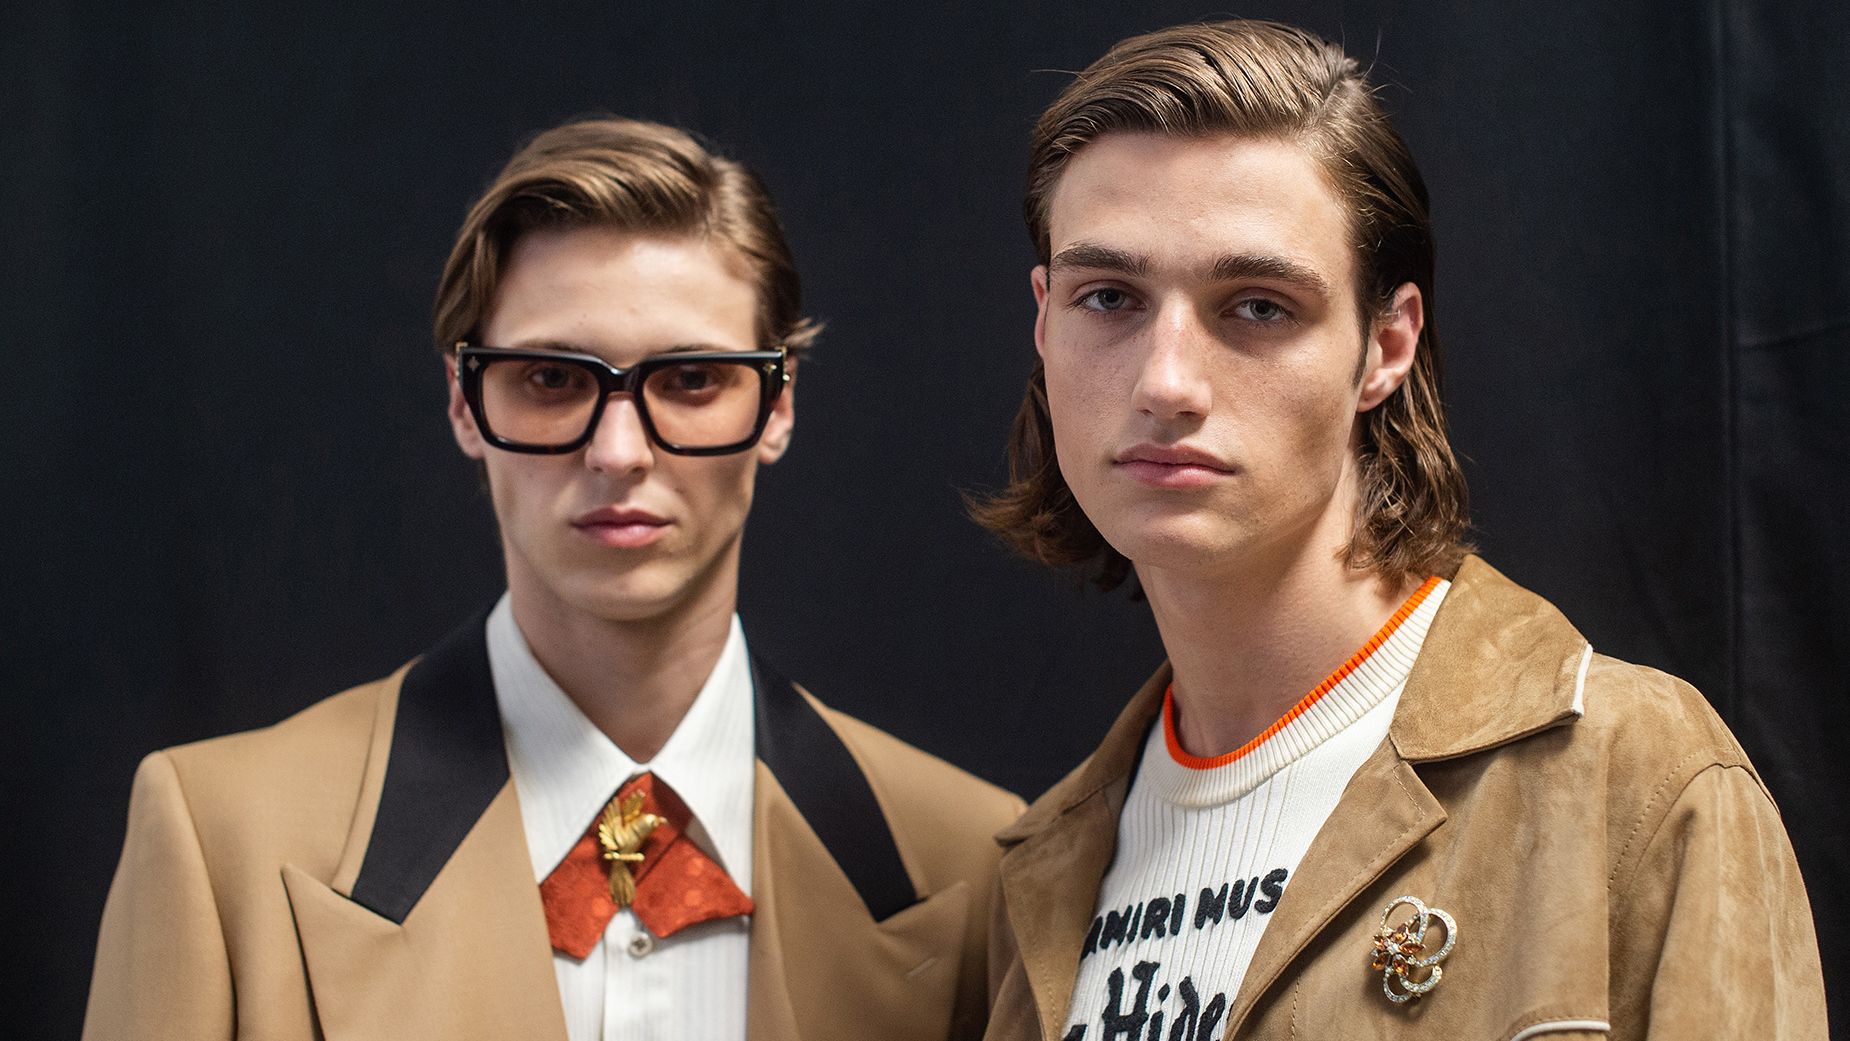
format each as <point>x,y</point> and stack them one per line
<point>691,379</point>
<point>1104,300</point>
<point>1263,310</point>
<point>691,382</point>
<point>549,379</point>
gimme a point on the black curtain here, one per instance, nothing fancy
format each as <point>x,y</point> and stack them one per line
<point>230,489</point>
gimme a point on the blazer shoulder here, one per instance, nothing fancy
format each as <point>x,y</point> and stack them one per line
<point>937,811</point>
<point>323,735</point>
<point>283,783</point>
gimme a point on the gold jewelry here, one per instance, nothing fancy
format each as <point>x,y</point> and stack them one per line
<point>621,829</point>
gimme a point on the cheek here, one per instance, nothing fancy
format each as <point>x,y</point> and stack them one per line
<point>1066,405</point>
<point>512,488</point>
<point>501,482</point>
<point>1311,417</point>
<point>1085,391</point>
<point>717,490</point>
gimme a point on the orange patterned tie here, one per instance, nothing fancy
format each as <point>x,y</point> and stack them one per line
<point>675,883</point>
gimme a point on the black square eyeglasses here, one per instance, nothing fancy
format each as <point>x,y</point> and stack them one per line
<point>690,403</point>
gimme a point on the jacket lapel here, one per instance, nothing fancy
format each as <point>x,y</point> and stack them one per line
<point>1059,851</point>
<point>1498,664</point>
<point>432,926</point>
<point>841,946</point>
<point>1384,812</point>
<point>1050,882</point>
<point>821,966</point>
<point>472,959</point>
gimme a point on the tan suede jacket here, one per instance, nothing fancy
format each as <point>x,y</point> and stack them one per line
<point>1613,863</point>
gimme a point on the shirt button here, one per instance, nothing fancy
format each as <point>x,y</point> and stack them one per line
<point>641,945</point>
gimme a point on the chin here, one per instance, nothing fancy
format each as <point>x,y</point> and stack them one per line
<point>627,604</point>
<point>1195,539</point>
<point>635,594</point>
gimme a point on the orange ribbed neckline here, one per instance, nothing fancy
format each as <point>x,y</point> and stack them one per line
<point>1195,762</point>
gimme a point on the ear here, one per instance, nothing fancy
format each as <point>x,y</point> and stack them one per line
<point>462,421</point>
<point>1392,345</point>
<point>1039,279</point>
<point>781,425</point>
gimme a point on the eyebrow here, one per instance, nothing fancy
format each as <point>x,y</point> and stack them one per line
<point>1100,258</point>
<point>561,346</point>
<point>1233,267</point>
<point>565,347</point>
<point>1229,267</point>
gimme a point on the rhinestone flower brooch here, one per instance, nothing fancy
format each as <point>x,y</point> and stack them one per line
<point>1407,971</point>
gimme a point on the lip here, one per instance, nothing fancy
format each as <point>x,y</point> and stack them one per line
<point>1171,466</point>
<point>620,528</point>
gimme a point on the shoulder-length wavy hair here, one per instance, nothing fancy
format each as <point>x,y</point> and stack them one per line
<point>1262,80</point>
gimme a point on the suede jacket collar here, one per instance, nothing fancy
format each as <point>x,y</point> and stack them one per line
<point>1499,664</point>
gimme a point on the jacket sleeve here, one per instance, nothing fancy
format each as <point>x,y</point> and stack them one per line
<point>1716,922</point>
<point>161,965</point>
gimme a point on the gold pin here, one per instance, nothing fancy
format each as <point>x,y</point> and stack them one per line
<point>621,830</point>
<point>1400,950</point>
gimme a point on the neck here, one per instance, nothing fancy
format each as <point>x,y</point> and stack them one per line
<point>1247,643</point>
<point>634,678</point>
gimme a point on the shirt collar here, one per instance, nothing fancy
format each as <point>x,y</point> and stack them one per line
<point>565,769</point>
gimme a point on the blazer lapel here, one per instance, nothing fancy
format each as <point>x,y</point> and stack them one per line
<point>472,959</point>
<point>432,926</point>
<point>841,945</point>
<point>821,965</point>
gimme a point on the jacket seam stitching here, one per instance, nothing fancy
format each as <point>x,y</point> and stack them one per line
<point>1651,804</point>
<point>1645,812</point>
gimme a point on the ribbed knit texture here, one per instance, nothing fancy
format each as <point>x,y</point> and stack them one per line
<point>1206,847</point>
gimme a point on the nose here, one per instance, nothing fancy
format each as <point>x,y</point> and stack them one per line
<point>620,445</point>
<point>1172,381</point>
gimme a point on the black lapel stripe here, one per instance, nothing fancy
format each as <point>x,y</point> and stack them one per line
<point>808,758</point>
<point>448,761</point>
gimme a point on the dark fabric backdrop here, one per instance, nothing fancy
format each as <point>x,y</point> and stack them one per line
<point>230,490</point>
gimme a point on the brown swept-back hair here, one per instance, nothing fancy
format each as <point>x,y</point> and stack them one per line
<point>1259,80</point>
<point>634,176</point>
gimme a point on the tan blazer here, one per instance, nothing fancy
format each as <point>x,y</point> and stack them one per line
<point>360,871</point>
<point>1613,863</point>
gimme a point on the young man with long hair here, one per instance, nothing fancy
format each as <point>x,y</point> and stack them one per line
<point>1378,790</point>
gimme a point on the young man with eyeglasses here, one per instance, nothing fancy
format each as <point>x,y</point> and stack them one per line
<point>590,813</point>
<point>1379,790</point>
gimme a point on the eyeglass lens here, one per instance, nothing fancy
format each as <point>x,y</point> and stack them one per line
<point>546,402</point>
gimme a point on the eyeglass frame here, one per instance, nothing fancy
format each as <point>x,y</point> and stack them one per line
<point>771,365</point>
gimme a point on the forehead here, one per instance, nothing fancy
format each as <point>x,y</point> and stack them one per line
<point>604,288</point>
<point>1183,202</point>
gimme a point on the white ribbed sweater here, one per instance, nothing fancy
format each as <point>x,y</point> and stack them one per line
<point>1207,847</point>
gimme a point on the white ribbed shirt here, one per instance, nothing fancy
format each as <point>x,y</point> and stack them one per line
<point>633,986</point>
<point>1207,847</point>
